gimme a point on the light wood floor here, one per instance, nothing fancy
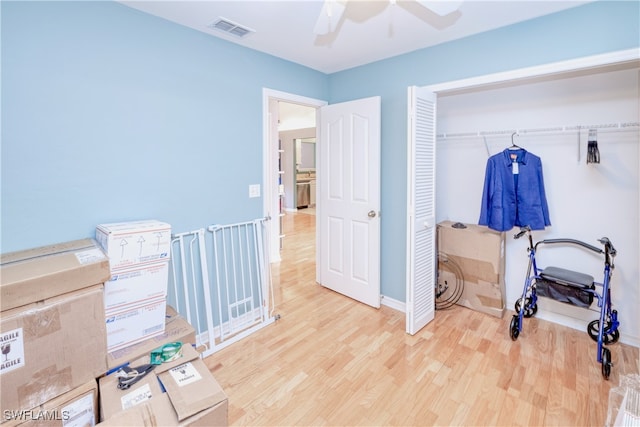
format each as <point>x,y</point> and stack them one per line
<point>332,361</point>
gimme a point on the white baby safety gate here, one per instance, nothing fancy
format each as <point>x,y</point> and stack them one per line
<point>222,283</point>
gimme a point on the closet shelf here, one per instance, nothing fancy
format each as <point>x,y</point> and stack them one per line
<point>557,129</point>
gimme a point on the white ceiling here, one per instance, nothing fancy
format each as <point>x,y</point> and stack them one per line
<point>369,30</point>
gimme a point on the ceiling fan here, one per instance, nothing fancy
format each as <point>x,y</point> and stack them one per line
<point>333,10</point>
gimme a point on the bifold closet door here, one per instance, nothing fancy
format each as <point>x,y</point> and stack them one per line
<point>421,230</point>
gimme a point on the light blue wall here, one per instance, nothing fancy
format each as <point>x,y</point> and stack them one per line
<point>110,114</point>
<point>586,30</point>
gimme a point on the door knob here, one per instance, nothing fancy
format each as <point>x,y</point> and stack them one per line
<point>372,214</point>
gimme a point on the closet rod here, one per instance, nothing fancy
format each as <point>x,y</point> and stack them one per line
<point>608,126</point>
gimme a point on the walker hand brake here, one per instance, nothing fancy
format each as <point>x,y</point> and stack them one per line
<point>522,232</point>
<point>606,242</point>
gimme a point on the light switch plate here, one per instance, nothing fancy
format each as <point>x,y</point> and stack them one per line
<point>254,190</point>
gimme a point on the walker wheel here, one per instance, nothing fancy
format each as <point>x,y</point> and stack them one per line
<point>529,310</point>
<point>514,329</point>
<point>608,336</point>
<point>606,363</point>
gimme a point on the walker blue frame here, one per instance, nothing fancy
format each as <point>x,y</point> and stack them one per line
<point>526,305</point>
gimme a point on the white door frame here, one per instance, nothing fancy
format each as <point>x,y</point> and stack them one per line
<point>270,160</point>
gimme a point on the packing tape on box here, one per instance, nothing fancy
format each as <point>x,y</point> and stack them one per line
<point>166,353</point>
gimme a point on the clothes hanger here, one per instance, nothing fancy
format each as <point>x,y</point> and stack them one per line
<point>513,144</point>
<point>593,154</point>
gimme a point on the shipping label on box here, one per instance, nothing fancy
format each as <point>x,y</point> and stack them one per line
<point>135,324</point>
<point>185,374</point>
<point>51,347</point>
<point>135,243</point>
<point>131,287</point>
<point>135,397</point>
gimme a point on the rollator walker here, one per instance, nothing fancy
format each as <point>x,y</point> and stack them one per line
<point>574,288</point>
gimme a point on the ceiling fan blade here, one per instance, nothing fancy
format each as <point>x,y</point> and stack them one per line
<point>441,7</point>
<point>330,15</point>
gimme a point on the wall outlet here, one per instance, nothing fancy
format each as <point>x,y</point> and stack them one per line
<point>254,190</point>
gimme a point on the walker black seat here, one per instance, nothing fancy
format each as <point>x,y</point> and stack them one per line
<point>566,286</point>
<point>567,277</point>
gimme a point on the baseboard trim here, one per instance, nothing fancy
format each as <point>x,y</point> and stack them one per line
<point>392,303</point>
<point>579,325</point>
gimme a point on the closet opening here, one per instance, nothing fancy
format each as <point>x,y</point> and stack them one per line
<point>483,138</point>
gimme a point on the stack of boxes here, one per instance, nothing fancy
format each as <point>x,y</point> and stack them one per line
<point>58,304</point>
<point>135,297</point>
<point>52,333</point>
<point>182,392</point>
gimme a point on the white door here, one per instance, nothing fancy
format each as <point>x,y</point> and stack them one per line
<point>349,205</point>
<point>421,231</point>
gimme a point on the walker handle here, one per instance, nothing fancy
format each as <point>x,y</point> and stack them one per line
<point>574,242</point>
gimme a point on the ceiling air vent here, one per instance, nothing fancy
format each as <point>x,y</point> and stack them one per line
<point>228,26</point>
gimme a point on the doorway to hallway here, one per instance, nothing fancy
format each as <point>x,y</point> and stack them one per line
<point>297,267</point>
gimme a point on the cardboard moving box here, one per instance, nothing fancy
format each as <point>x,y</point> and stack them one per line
<point>51,347</point>
<point>478,252</point>
<point>37,274</point>
<point>130,287</point>
<point>135,324</point>
<point>176,329</point>
<point>78,407</point>
<point>159,412</point>
<point>135,243</point>
<point>193,397</point>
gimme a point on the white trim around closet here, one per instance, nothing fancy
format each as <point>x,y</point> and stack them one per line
<point>578,64</point>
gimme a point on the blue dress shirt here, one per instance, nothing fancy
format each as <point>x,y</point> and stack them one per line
<point>514,198</point>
